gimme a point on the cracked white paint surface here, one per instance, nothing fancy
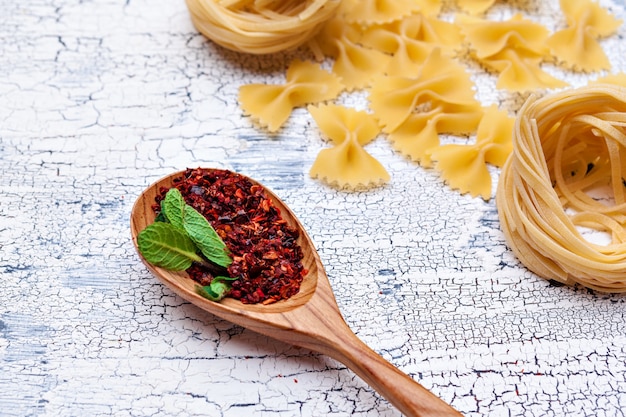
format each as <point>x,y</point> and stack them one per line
<point>100,98</point>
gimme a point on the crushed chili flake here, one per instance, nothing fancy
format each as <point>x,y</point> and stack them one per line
<point>267,260</point>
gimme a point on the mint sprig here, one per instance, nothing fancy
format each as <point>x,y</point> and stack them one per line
<point>179,234</point>
<point>164,245</point>
<point>217,289</point>
<point>173,207</point>
<point>205,237</point>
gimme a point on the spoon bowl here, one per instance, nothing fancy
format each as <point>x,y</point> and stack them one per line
<point>309,319</point>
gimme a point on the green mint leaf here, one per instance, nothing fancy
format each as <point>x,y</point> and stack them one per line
<point>217,289</point>
<point>205,237</point>
<point>207,293</point>
<point>164,245</point>
<point>173,207</point>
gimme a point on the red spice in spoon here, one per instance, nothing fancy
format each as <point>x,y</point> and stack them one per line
<point>266,257</point>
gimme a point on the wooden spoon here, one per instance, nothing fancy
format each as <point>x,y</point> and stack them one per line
<point>310,319</point>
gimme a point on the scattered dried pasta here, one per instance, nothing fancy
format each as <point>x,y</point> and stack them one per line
<point>515,48</point>
<point>411,40</point>
<point>564,180</point>
<point>404,55</point>
<point>260,26</point>
<point>577,46</point>
<point>419,134</point>
<point>368,12</point>
<point>355,64</point>
<point>347,164</point>
<point>272,105</point>
<point>521,72</point>
<point>475,6</point>
<point>464,167</point>
<point>414,110</point>
<point>429,7</point>
<point>488,37</point>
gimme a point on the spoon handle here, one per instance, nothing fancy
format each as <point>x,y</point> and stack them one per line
<point>411,398</point>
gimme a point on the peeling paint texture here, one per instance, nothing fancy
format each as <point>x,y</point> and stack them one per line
<point>100,98</point>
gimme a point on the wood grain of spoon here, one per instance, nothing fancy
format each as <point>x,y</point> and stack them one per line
<point>310,319</point>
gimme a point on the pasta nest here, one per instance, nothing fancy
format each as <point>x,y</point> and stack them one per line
<point>260,26</point>
<point>561,194</point>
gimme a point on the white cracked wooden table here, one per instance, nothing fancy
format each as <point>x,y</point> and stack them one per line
<point>100,98</point>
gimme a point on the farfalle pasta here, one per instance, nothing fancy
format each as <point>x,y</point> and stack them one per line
<point>369,12</point>
<point>347,164</point>
<point>429,7</point>
<point>353,63</point>
<point>488,37</point>
<point>419,134</point>
<point>411,40</point>
<point>577,45</point>
<point>464,167</point>
<point>402,53</point>
<point>413,110</point>
<point>515,48</point>
<point>520,71</point>
<point>272,105</point>
<point>475,6</point>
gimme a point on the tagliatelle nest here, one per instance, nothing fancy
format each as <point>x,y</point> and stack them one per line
<point>260,26</point>
<point>565,179</point>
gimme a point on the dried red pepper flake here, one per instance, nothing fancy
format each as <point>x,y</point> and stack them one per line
<point>267,260</point>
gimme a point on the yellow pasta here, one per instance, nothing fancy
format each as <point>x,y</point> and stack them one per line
<point>514,48</point>
<point>488,38</point>
<point>440,79</point>
<point>369,12</point>
<point>414,110</point>
<point>272,105</point>
<point>347,164</point>
<point>577,46</point>
<point>260,27</point>
<point>464,167</point>
<point>520,72</point>
<point>429,7</point>
<point>418,135</point>
<point>355,64</point>
<point>402,52</point>
<point>475,6</point>
<point>411,40</point>
<point>564,180</point>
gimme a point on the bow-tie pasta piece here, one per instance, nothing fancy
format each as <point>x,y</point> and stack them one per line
<point>514,48</point>
<point>464,167</point>
<point>475,6</point>
<point>368,12</point>
<point>272,105</point>
<point>411,40</point>
<point>495,132</point>
<point>520,72</point>
<point>488,38</point>
<point>347,164</point>
<point>577,45</point>
<point>419,133</point>
<point>429,7</point>
<point>440,79</point>
<point>354,64</point>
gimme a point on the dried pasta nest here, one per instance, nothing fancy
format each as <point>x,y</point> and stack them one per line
<point>260,26</point>
<point>561,195</point>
